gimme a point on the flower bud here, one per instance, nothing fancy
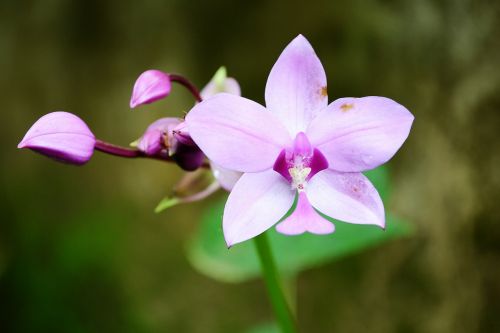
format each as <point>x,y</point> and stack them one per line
<point>221,83</point>
<point>181,134</point>
<point>61,136</point>
<point>150,86</point>
<point>189,157</point>
<point>151,142</point>
<point>193,186</point>
<point>158,136</point>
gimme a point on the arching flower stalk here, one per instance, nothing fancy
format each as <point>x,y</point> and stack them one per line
<point>66,138</point>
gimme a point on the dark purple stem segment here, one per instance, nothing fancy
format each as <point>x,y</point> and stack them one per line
<point>112,149</point>
<point>186,83</point>
<point>120,151</point>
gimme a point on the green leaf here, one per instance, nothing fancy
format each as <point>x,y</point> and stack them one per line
<point>208,253</point>
<point>380,179</point>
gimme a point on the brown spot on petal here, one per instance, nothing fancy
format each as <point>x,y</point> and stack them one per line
<point>346,107</point>
<point>323,92</point>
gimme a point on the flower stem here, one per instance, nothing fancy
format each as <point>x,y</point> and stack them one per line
<point>112,149</point>
<point>271,277</point>
<point>186,83</point>
<point>116,150</point>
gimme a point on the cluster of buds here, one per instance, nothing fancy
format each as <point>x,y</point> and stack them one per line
<point>66,138</point>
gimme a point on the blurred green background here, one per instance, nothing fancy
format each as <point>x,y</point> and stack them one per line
<point>80,247</point>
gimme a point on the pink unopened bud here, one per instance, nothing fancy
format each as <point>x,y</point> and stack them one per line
<point>158,136</point>
<point>62,136</point>
<point>170,135</point>
<point>189,157</point>
<point>221,83</point>
<point>151,142</point>
<point>150,86</point>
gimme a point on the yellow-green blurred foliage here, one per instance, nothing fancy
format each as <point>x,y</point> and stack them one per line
<point>80,247</point>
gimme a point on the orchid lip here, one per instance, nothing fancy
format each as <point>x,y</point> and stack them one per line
<point>299,163</point>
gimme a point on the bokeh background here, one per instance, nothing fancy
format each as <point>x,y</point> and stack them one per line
<point>80,247</point>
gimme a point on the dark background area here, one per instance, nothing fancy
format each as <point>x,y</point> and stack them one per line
<point>80,247</point>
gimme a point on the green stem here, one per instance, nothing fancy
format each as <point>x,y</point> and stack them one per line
<point>290,290</point>
<point>277,297</point>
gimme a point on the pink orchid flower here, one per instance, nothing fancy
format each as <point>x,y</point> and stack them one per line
<point>299,145</point>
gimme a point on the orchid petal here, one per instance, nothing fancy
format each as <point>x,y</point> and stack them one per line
<point>62,136</point>
<point>256,203</point>
<point>348,197</point>
<point>359,134</point>
<point>226,178</point>
<point>296,87</point>
<point>237,133</point>
<point>305,218</point>
<point>302,146</point>
<point>163,124</point>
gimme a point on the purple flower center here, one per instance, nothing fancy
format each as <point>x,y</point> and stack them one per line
<point>299,163</point>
